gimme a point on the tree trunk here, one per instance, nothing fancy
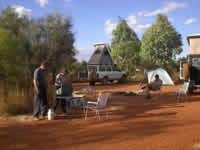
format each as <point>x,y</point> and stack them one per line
<point>53,76</point>
<point>17,89</point>
<point>22,91</point>
<point>5,91</point>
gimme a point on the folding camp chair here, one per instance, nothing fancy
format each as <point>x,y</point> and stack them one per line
<point>98,105</point>
<point>182,92</point>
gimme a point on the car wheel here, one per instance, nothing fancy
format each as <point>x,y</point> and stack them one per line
<point>92,83</point>
<point>190,90</point>
<point>111,81</point>
<point>123,79</point>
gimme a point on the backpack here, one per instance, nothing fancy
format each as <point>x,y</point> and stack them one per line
<point>65,90</point>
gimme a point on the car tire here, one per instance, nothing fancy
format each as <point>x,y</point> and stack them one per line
<point>111,81</point>
<point>123,79</point>
<point>92,83</point>
<point>190,90</point>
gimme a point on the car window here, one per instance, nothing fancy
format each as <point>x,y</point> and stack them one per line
<point>102,68</point>
<point>108,68</point>
<point>97,52</point>
<point>92,68</point>
<point>115,68</point>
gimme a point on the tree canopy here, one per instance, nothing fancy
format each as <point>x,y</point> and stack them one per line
<point>161,43</point>
<point>25,42</point>
<point>8,45</point>
<point>125,46</point>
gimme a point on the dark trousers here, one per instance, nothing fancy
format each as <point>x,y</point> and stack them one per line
<point>40,103</point>
<point>61,101</point>
<point>63,104</point>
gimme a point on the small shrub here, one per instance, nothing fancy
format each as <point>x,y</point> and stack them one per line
<point>175,76</point>
<point>139,76</point>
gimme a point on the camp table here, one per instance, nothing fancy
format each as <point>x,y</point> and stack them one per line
<point>78,100</point>
<point>66,98</point>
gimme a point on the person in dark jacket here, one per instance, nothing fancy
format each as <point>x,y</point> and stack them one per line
<point>40,91</point>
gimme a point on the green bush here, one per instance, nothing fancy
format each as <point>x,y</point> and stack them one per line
<point>139,76</point>
<point>175,76</point>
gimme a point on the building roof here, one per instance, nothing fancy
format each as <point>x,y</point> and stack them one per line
<point>101,56</point>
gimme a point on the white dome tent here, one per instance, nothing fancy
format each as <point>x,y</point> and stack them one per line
<point>163,75</point>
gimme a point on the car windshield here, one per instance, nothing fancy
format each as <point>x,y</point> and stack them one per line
<point>102,68</point>
<point>108,68</point>
<point>92,68</point>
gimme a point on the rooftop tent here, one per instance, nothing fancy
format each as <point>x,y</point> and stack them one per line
<point>101,56</point>
<point>194,46</point>
<point>163,75</point>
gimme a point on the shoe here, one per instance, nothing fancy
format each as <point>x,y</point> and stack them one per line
<point>43,117</point>
<point>36,119</point>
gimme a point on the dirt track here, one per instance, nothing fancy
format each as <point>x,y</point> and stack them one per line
<point>161,123</point>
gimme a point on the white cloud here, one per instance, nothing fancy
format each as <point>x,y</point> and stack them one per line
<point>132,21</point>
<point>141,13</point>
<point>84,54</point>
<point>43,2</point>
<point>190,21</point>
<point>68,1</point>
<point>171,19</point>
<point>109,27</point>
<point>171,6</point>
<point>136,24</point>
<point>21,11</point>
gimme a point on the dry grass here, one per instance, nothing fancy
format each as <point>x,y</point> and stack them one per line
<point>17,103</point>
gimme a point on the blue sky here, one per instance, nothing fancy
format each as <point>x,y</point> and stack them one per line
<point>94,20</point>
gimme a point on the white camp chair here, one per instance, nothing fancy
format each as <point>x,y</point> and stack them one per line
<point>182,92</point>
<point>98,105</point>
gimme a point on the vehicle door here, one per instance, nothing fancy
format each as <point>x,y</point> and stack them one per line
<point>116,73</point>
<point>102,71</point>
<point>109,72</point>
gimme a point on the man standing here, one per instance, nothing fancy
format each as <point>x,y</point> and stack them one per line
<point>40,91</point>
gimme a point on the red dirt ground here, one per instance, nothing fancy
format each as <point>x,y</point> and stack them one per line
<point>136,123</point>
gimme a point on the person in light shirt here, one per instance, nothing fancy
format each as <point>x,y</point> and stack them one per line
<point>155,85</point>
<point>60,80</point>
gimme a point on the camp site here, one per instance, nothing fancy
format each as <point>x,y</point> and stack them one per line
<point>99,75</point>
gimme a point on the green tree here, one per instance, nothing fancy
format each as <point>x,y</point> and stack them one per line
<point>58,41</point>
<point>125,47</point>
<point>8,45</point>
<point>160,44</point>
<point>18,27</point>
<point>24,43</point>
